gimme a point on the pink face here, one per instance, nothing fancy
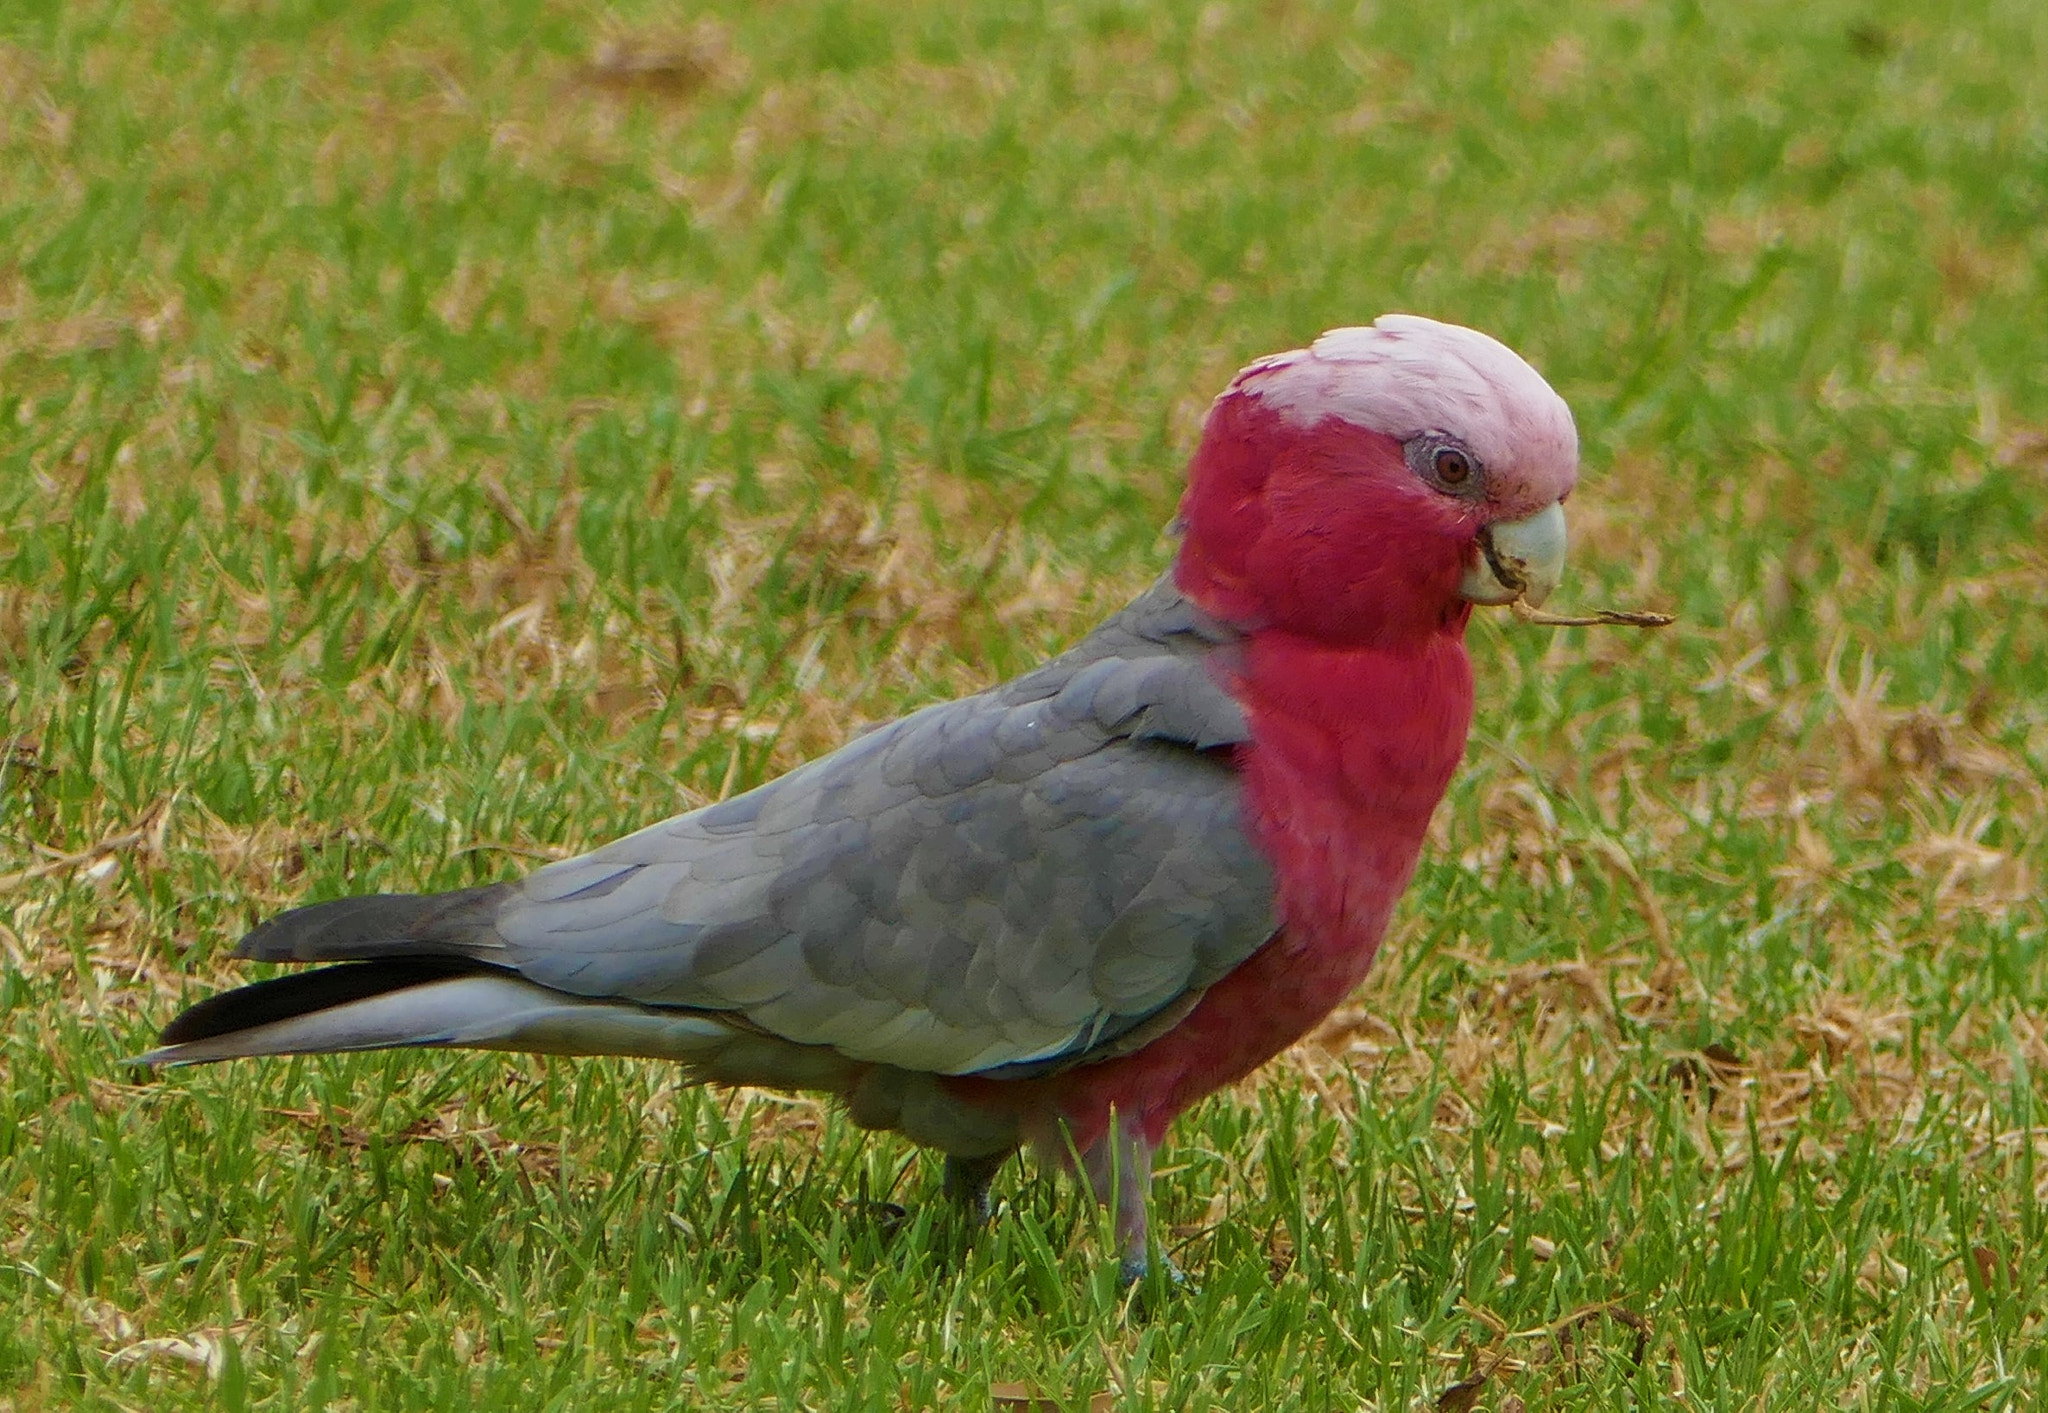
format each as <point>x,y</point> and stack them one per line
<point>1340,491</point>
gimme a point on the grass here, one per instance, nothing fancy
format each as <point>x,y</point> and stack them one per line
<point>438,437</point>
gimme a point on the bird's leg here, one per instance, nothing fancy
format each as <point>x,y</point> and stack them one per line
<point>1119,1168</point>
<point>967,1181</point>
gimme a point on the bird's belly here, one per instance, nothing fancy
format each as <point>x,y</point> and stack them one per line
<point>1247,1018</point>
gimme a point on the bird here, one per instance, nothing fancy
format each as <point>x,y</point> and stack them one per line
<point>1055,914</point>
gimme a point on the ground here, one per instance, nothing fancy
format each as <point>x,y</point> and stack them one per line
<point>435,438</point>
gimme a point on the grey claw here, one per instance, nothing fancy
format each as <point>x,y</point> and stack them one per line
<point>888,1218</point>
<point>1132,1270</point>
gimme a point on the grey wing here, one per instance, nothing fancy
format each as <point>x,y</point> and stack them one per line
<point>1010,880</point>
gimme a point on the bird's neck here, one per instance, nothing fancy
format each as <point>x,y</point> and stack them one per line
<point>1350,751</point>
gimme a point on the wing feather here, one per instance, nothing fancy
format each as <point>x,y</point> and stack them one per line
<point>1006,883</point>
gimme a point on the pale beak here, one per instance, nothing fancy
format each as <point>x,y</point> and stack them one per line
<point>1518,559</point>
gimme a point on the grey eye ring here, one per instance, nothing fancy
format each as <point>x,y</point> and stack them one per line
<point>1445,464</point>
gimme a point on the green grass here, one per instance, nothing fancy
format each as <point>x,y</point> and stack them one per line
<point>437,436</point>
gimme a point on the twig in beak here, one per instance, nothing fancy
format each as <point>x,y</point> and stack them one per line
<point>1599,618</point>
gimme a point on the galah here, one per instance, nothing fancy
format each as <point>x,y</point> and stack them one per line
<point>1059,912</point>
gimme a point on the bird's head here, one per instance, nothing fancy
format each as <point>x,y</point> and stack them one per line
<point>1375,485</point>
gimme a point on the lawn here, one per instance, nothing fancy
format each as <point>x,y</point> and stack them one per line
<point>440,437</point>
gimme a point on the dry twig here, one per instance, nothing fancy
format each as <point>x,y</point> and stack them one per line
<point>1598,618</point>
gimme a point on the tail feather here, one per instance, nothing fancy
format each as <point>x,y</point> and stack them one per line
<point>383,925</point>
<point>418,970</point>
<point>442,1002</point>
<point>284,998</point>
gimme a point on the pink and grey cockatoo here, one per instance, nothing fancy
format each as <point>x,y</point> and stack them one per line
<point>1059,912</point>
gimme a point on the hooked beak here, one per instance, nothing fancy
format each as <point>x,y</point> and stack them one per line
<point>1518,559</point>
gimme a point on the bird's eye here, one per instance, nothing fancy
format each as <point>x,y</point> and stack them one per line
<point>1444,462</point>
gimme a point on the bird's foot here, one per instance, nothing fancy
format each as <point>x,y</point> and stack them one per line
<point>1119,1167</point>
<point>887,1218</point>
<point>966,1184</point>
<point>1136,1270</point>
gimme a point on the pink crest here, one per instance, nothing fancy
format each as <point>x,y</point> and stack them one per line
<point>1403,374</point>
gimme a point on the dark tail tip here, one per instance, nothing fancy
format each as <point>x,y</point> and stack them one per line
<point>380,925</point>
<point>284,997</point>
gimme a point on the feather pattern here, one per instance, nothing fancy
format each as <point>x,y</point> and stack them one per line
<point>1004,882</point>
